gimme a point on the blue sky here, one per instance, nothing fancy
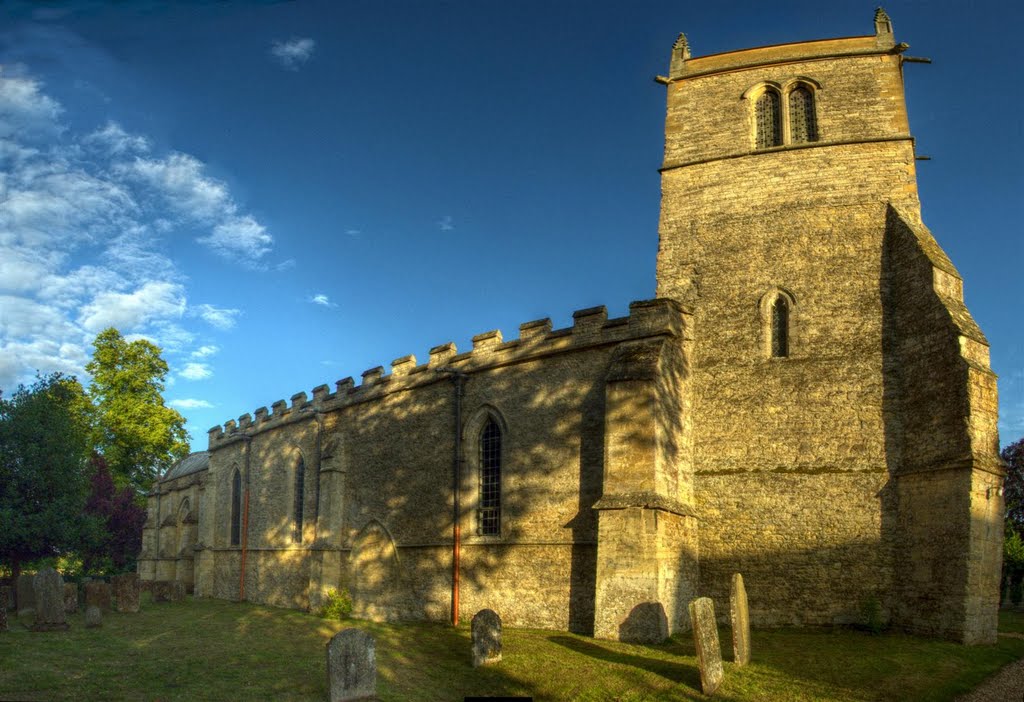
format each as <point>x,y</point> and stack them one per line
<point>285,194</point>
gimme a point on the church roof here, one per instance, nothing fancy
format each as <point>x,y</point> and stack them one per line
<point>192,463</point>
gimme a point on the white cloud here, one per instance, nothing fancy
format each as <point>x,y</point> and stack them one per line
<point>189,403</point>
<point>24,110</point>
<point>205,351</point>
<point>179,179</point>
<point>128,311</point>
<point>239,238</point>
<point>294,52</point>
<point>322,300</point>
<point>220,317</point>
<point>196,371</point>
<point>446,224</point>
<point>115,140</point>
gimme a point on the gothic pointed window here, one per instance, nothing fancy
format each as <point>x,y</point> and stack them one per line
<point>236,508</point>
<point>780,327</point>
<point>299,496</point>
<point>768,116</point>
<point>489,509</point>
<point>802,123</point>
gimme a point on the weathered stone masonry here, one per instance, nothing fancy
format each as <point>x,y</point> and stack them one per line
<point>807,402</point>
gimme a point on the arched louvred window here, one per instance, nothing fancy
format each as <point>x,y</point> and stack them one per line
<point>769,120</point>
<point>780,327</point>
<point>300,488</point>
<point>803,125</point>
<point>236,508</point>
<point>489,510</point>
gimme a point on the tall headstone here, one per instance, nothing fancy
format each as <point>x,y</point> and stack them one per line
<point>4,594</point>
<point>351,666</point>
<point>740,618</point>
<point>126,592</point>
<point>70,598</point>
<point>48,587</point>
<point>486,637</point>
<point>705,639</point>
<point>26,597</point>
<point>97,593</point>
<point>93,617</point>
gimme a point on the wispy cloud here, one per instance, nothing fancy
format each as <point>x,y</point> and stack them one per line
<point>196,371</point>
<point>205,351</point>
<point>189,403</point>
<point>293,53</point>
<point>322,300</point>
<point>446,224</point>
<point>220,317</point>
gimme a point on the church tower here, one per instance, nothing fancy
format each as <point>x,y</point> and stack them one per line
<point>845,449</point>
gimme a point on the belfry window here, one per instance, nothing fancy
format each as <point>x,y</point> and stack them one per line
<point>780,327</point>
<point>300,486</point>
<point>236,508</point>
<point>802,123</point>
<point>769,120</point>
<point>489,509</point>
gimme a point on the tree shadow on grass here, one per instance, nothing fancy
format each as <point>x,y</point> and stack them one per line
<point>677,672</point>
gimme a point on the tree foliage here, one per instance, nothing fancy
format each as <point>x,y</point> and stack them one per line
<point>137,434</point>
<point>1013,487</point>
<point>44,433</point>
<point>119,519</point>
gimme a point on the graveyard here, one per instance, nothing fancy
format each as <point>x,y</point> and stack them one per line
<point>208,649</point>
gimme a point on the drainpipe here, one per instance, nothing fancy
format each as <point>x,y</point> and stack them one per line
<point>459,378</point>
<point>245,519</point>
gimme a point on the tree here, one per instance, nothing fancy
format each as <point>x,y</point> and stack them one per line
<point>117,538</point>
<point>44,434</point>
<point>137,434</point>
<point>1013,487</point>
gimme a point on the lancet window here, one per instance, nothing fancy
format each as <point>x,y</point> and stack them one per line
<point>236,508</point>
<point>299,497</point>
<point>489,508</point>
<point>769,120</point>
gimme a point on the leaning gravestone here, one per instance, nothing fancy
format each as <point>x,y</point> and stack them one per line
<point>4,594</point>
<point>93,617</point>
<point>70,598</point>
<point>126,592</point>
<point>740,617</point>
<point>705,639</point>
<point>486,637</point>
<point>26,598</point>
<point>351,666</point>
<point>49,592</point>
<point>97,593</point>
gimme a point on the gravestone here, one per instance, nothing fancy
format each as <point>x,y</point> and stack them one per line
<point>49,592</point>
<point>126,592</point>
<point>168,591</point>
<point>70,598</point>
<point>27,617</point>
<point>705,639</point>
<point>10,595</point>
<point>26,597</point>
<point>93,617</point>
<point>351,666</point>
<point>4,594</point>
<point>740,617</point>
<point>486,629</point>
<point>97,593</point>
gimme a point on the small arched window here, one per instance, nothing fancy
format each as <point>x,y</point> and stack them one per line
<point>236,508</point>
<point>489,509</point>
<point>803,126</point>
<point>300,489</point>
<point>780,327</point>
<point>768,116</point>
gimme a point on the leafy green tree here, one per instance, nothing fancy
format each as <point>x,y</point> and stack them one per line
<point>44,444</point>
<point>137,434</point>
<point>1013,544</point>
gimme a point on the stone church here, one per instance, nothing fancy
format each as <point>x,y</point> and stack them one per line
<point>806,401</point>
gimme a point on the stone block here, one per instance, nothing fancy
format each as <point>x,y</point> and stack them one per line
<point>48,587</point>
<point>93,617</point>
<point>126,592</point>
<point>97,593</point>
<point>705,639</point>
<point>70,598</point>
<point>739,615</point>
<point>351,666</point>
<point>486,629</point>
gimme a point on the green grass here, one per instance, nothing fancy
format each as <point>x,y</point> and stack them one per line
<point>1011,622</point>
<point>216,650</point>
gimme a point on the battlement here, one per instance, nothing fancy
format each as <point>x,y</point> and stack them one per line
<point>591,327</point>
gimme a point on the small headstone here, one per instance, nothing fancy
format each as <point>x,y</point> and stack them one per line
<point>740,617</point>
<point>97,593</point>
<point>351,666</point>
<point>49,592</point>
<point>4,594</point>
<point>177,592</point>
<point>486,637</point>
<point>705,639</point>
<point>26,597</point>
<point>168,591</point>
<point>27,617</point>
<point>126,592</point>
<point>70,598</point>
<point>93,617</point>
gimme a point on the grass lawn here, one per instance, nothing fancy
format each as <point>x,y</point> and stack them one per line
<point>216,650</point>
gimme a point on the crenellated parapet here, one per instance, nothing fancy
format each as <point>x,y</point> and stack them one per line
<point>591,327</point>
